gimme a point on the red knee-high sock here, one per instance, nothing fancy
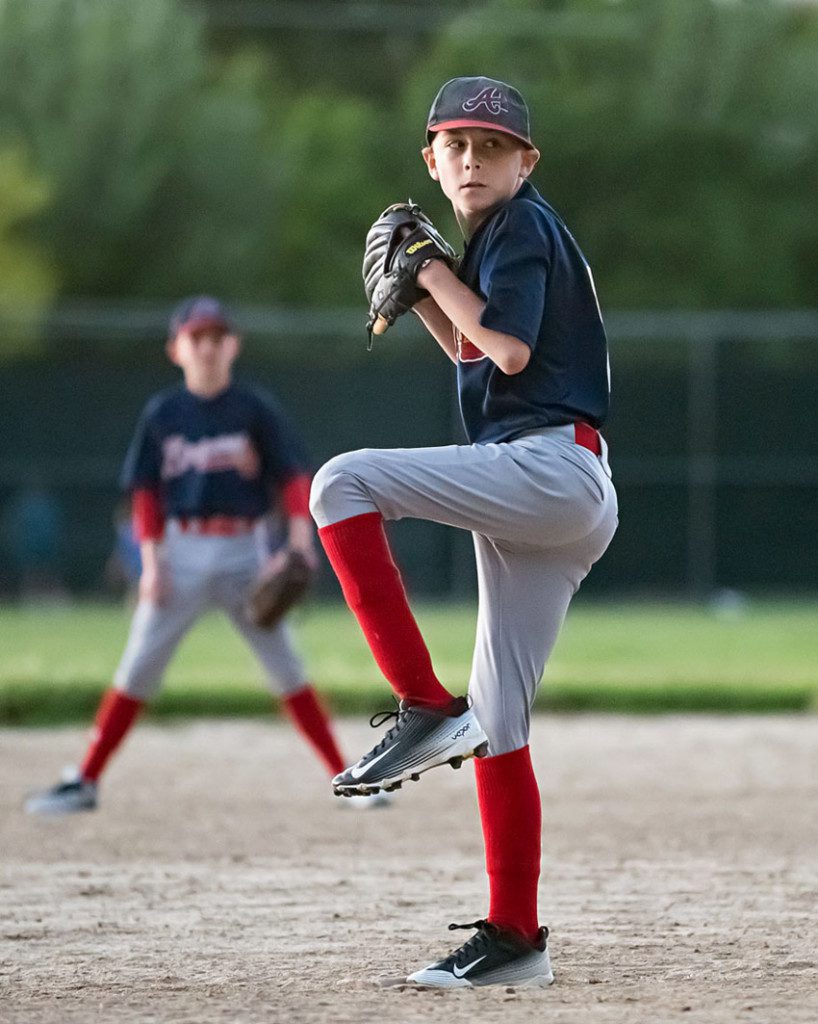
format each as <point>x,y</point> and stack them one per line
<point>312,721</point>
<point>115,715</point>
<point>511,815</point>
<point>359,553</point>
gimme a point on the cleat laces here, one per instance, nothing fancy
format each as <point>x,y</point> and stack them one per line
<point>476,945</point>
<point>399,714</point>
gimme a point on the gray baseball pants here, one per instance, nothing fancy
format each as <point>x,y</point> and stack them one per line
<point>206,572</point>
<point>541,508</point>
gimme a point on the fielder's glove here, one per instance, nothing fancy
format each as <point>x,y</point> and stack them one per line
<point>273,596</point>
<point>399,242</point>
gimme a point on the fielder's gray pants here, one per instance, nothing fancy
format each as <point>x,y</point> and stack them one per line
<point>205,572</point>
<point>542,509</point>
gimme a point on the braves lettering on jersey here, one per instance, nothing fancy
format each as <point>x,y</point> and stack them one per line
<point>213,456</point>
<point>524,262</point>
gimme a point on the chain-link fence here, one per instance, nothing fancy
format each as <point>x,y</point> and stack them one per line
<point>714,442</point>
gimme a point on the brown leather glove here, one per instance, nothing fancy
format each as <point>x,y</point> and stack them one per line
<point>273,596</point>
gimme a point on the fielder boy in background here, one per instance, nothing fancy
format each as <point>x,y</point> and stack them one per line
<point>209,460</point>
<point>520,320</point>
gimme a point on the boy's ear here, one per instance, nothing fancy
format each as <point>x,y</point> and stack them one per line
<point>428,155</point>
<point>530,158</point>
<point>170,350</point>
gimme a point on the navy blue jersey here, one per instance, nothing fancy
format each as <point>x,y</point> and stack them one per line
<point>537,285</point>
<point>213,456</point>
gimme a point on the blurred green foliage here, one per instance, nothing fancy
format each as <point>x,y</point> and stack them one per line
<point>27,281</point>
<point>150,152</point>
<point>679,140</point>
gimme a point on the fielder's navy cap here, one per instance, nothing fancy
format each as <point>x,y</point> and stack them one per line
<point>480,103</point>
<point>202,313</point>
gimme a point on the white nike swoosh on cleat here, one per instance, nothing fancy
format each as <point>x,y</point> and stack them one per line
<point>357,772</point>
<point>465,970</point>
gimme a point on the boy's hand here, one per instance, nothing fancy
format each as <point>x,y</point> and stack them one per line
<point>154,583</point>
<point>398,244</point>
<point>301,539</point>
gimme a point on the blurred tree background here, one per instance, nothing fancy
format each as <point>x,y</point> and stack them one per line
<point>242,147</point>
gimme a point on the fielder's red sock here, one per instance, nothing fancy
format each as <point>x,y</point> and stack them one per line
<point>309,717</point>
<point>359,553</point>
<point>511,816</point>
<point>115,715</point>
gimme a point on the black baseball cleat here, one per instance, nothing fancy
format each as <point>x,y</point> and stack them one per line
<point>421,738</point>
<point>492,956</point>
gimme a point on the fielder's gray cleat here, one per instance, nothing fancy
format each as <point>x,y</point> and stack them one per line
<point>420,739</point>
<point>492,956</point>
<point>71,794</point>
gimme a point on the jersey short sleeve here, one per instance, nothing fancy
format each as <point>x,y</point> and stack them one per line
<point>514,272</point>
<point>143,461</point>
<point>282,450</point>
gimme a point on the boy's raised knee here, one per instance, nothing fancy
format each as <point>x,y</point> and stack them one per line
<point>337,492</point>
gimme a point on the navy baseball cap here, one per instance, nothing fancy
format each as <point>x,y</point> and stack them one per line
<point>202,313</point>
<point>480,103</point>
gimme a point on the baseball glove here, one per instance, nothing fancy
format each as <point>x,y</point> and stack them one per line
<point>398,243</point>
<point>273,596</point>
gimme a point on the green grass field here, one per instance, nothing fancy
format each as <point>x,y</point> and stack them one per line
<point>610,657</point>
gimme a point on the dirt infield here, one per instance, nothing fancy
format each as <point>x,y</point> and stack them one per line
<point>220,881</point>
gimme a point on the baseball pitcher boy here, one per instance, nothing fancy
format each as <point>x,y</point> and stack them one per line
<point>209,460</point>
<point>519,318</point>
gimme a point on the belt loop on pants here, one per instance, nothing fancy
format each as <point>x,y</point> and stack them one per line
<point>585,435</point>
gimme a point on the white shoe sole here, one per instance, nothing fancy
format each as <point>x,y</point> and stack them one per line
<point>442,979</point>
<point>43,809</point>
<point>448,981</point>
<point>366,801</point>
<point>455,755</point>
